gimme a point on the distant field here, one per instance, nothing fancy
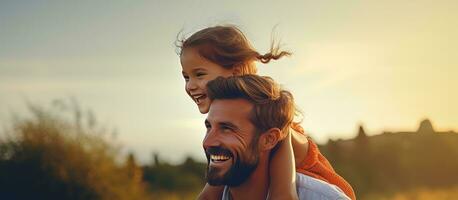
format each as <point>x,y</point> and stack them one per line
<point>167,195</point>
<point>419,194</point>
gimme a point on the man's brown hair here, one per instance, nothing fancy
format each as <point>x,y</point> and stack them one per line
<point>273,106</point>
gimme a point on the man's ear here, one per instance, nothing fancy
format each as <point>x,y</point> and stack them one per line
<point>269,139</point>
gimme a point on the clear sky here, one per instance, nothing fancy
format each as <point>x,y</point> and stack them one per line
<point>384,64</point>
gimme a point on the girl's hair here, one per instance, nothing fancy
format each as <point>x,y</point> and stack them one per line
<point>227,46</point>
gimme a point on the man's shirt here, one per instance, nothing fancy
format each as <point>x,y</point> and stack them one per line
<point>309,188</point>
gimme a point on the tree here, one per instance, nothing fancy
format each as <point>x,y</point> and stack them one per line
<point>48,156</point>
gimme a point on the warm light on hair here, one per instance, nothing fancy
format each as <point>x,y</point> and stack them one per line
<point>228,47</point>
<point>273,106</point>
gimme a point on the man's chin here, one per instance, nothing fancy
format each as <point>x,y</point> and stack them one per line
<point>232,172</point>
<point>216,176</point>
<point>227,176</point>
<point>215,182</point>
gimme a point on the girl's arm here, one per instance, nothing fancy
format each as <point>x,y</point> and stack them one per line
<point>211,192</point>
<point>300,144</point>
<point>283,172</point>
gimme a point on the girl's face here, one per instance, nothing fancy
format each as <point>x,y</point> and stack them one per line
<point>197,71</point>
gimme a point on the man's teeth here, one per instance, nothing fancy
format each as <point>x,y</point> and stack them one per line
<point>219,157</point>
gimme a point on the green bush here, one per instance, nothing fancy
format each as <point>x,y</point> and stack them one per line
<point>53,156</point>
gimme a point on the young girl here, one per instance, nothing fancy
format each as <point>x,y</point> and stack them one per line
<point>225,51</point>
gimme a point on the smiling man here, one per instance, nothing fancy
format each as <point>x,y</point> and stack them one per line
<point>248,116</point>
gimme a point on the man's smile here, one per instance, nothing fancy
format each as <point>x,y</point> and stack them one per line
<point>220,161</point>
<point>219,157</point>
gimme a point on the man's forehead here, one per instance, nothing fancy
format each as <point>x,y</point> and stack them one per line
<point>230,108</point>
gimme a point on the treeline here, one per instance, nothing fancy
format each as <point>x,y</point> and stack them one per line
<point>50,155</point>
<point>60,152</point>
<point>183,180</point>
<point>380,165</point>
<point>393,162</point>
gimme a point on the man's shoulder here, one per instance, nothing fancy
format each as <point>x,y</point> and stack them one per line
<point>312,188</point>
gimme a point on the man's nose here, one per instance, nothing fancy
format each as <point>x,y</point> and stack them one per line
<point>211,140</point>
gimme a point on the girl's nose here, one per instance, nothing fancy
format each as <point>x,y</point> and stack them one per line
<point>191,85</point>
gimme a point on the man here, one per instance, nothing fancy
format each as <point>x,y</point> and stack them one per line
<point>248,116</point>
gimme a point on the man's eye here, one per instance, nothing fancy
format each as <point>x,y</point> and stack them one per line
<point>226,128</point>
<point>186,78</point>
<point>200,74</point>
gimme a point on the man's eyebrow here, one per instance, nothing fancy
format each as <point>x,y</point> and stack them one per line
<point>230,125</point>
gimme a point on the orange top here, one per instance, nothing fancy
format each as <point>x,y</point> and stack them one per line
<point>317,166</point>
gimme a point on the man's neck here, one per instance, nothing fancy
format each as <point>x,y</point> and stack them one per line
<point>256,186</point>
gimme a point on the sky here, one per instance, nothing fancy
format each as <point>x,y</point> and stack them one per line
<point>382,64</point>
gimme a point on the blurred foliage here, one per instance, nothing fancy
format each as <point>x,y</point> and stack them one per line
<point>182,181</point>
<point>403,165</point>
<point>391,163</point>
<point>55,156</point>
<point>420,194</point>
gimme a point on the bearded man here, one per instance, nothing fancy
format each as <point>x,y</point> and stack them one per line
<point>249,115</point>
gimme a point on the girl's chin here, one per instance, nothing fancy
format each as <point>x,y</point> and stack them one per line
<point>203,108</point>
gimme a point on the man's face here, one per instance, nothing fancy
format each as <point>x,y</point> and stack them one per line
<point>230,143</point>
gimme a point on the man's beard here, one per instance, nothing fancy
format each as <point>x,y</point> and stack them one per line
<point>239,172</point>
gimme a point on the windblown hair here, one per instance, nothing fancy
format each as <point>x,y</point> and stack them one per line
<point>228,47</point>
<point>273,106</point>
